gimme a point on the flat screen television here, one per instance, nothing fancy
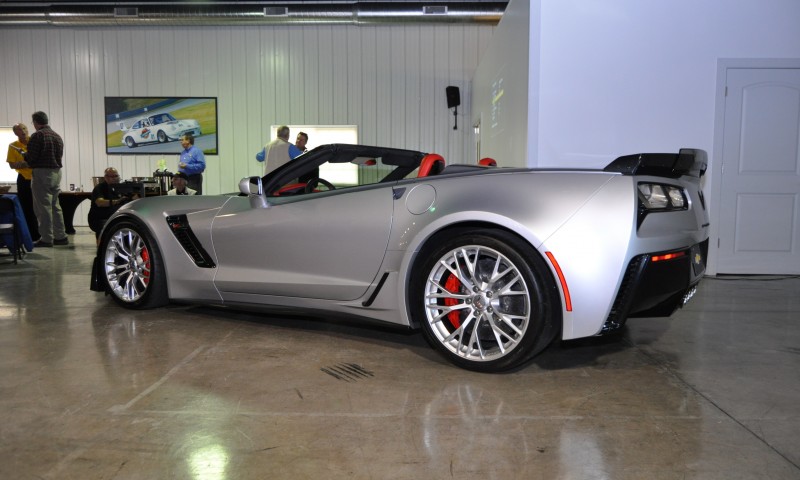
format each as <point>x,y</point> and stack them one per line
<point>154,125</point>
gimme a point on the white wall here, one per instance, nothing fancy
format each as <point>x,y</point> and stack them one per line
<point>505,88</point>
<point>388,80</point>
<point>629,76</point>
<point>618,77</point>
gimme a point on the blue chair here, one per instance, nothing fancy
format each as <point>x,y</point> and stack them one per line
<point>9,228</point>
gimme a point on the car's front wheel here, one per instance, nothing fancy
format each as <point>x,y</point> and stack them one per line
<point>129,141</point>
<point>132,267</point>
<point>485,299</point>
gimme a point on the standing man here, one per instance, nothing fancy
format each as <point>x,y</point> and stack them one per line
<point>278,152</point>
<point>16,159</point>
<point>45,150</point>
<point>192,163</point>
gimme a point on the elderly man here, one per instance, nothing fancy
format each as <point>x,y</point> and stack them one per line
<point>45,150</point>
<point>278,152</point>
<point>179,185</point>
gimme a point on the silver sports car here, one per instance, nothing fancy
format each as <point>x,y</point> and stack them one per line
<point>491,263</point>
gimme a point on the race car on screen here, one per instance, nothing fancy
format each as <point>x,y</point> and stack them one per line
<point>161,128</point>
<point>490,263</point>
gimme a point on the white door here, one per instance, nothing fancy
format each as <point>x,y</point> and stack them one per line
<point>759,224</point>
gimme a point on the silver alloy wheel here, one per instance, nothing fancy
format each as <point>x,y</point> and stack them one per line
<point>127,265</point>
<point>477,303</point>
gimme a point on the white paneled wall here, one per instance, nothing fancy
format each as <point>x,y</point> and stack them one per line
<point>388,80</point>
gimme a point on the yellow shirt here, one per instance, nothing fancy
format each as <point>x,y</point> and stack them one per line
<point>14,157</point>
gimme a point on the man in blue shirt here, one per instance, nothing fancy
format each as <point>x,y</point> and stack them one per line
<point>192,163</point>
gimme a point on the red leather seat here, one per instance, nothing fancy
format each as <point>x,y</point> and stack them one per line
<point>487,162</point>
<point>291,189</point>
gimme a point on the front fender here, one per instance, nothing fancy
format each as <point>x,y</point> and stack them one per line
<point>186,281</point>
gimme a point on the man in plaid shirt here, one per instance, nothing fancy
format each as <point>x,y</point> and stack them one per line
<point>45,149</point>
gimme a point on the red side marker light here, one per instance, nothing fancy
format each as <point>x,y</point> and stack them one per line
<point>564,288</point>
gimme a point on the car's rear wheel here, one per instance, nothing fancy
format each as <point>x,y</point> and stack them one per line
<point>132,267</point>
<point>485,299</point>
<point>162,136</point>
<point>130,142</point>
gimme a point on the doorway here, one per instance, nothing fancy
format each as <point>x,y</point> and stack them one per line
<point>756,173</point>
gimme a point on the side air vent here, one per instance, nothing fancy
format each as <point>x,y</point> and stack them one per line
<point>179,225</point>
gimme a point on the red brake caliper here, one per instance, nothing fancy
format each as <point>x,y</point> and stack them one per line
<point>146,259</point>
<point>454,286</point>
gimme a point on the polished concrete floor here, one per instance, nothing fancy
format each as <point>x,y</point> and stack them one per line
<point>89,390</point>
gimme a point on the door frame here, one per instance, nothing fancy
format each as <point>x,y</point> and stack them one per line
<point>714,174</point>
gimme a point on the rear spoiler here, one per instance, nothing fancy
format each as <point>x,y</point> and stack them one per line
<point>688,161</point>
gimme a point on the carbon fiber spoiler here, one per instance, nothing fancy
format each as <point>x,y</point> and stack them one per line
<point>688,161</point>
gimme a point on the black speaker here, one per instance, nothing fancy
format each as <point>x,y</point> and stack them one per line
<point>453,97</point>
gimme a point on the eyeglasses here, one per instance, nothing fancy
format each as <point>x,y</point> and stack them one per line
<point>112,176</point>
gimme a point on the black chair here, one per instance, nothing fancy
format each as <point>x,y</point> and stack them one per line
<point>9,229</point>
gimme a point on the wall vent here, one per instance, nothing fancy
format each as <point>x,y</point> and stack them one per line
<point>434,10</point>
<point>126,12</point>
<point>276,11</point>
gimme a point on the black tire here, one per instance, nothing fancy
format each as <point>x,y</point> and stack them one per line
<point>485,299</point>
<point>162,137</point>
<point>131,266</point>
<point>130,142</point>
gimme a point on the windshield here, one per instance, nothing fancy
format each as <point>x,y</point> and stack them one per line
<point>342,166</point>
<point>161,118</point>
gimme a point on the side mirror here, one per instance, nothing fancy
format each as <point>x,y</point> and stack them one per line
<point>251,186</point>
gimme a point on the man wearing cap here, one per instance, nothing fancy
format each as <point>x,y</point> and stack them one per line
<point>179,182</point>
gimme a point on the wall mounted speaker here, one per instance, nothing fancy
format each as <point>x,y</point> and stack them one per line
<point>453,97</point>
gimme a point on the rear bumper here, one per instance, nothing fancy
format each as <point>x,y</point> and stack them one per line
<point>656,284</point>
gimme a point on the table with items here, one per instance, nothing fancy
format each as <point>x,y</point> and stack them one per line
<point>69,202</point>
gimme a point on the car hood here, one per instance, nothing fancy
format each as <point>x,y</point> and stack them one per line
<point>165,205</point>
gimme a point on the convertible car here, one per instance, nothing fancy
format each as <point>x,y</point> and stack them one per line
<point>161,128</point>
<point>491,263</point>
